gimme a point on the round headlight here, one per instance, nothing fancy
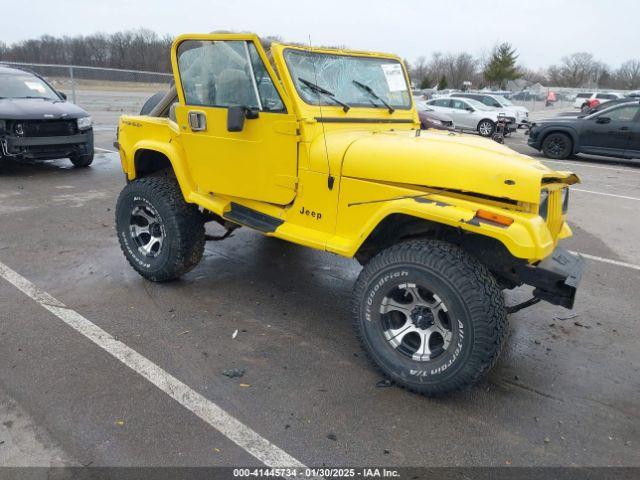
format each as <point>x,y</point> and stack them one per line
<point>84,123</point>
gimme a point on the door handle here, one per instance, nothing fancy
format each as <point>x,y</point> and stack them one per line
<point>624,128</point>
<point>197,121</point>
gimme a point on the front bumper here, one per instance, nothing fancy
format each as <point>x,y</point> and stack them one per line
<point>47,147</point>
<point>533,134</point>
<point>556,278</point>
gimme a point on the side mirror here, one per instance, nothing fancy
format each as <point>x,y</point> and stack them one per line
<point>63,95</point>
<point>236,116</point>
<point>603,120</point>
<point>469,109</point>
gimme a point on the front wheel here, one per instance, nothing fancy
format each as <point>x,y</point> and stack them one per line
<point>557,146</point>
<point>82,161</point>
<point>430,316</point>
<point>486,128</point>
<point>160,234</point>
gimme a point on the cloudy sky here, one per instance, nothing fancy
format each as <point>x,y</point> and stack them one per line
<point>542,30</point>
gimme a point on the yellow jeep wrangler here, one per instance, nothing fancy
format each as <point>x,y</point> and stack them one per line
<point>323,148</point>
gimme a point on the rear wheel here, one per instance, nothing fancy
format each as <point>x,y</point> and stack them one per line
<point>430,316</point>
<point>486,128</point>
<point>557,145</point>
<point>160,234</point>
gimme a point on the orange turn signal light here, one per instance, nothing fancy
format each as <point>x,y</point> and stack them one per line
<point>494,217</point>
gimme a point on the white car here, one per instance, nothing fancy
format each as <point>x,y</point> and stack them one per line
<point>470,114</point>
<point>492,100</point>
<point>582,98</point>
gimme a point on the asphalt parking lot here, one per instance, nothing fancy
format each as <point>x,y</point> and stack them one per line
<point>565,391</point>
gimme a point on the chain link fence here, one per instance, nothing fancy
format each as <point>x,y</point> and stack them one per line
<point>106,93</point>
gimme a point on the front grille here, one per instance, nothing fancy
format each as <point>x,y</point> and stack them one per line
<point>45,128</point>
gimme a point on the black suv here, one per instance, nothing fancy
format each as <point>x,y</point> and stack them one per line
<point>612,132</point>
<point>37,122</point>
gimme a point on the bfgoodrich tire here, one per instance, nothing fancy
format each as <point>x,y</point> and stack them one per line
<point>160,234</point>
<point>557,146</point>
<point>430,316</point>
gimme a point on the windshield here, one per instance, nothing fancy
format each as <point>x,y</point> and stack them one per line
<point>477,105</point>
<point>504,101</point>
<point>24,85</point>
<point>341,75</point>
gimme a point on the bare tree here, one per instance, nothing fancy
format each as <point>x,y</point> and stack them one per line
<point>140,49</point>
<point>455,68</point>
<point>534,76</point>
<point>419,70</point>
<point>628,75</point>
<point>576,70</point>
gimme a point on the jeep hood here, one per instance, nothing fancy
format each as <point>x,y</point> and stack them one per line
<point>451,161</point>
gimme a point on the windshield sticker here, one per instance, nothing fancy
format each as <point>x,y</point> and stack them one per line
<point>395,77</point>
<point>38,87</point>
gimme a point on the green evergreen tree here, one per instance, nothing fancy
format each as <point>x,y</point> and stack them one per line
<point>426,83</point>
<point>502,66</point>
<point>442,84</point>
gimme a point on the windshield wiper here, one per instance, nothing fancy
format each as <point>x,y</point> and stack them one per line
<point>327,93</point>
<point>370,91</point>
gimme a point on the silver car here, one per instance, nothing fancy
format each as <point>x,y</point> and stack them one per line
<point>469,114</point>
<point>498,101</point>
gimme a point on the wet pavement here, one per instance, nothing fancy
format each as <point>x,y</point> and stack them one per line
<point>565,391</point>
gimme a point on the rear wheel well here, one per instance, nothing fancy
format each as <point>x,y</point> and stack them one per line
<point>397,228</point>
<point>151,163</point>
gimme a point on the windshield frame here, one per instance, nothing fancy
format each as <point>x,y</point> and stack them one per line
<point>26,75</point>
<point>324,103</point>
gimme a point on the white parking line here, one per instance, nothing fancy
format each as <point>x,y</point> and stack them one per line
<point>605,194</point>
<point>625,169</point>
<point>608,260</point>
<point>229,426</point>
<point>104,150</point>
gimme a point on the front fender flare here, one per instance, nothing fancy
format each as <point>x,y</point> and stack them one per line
<point>176,157</point>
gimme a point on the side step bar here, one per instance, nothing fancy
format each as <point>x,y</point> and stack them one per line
<point>252,218</point>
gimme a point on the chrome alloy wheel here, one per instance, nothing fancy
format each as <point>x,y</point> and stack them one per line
<point>146,230</point>
<point>485,128</point>
<point>416,322</point>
